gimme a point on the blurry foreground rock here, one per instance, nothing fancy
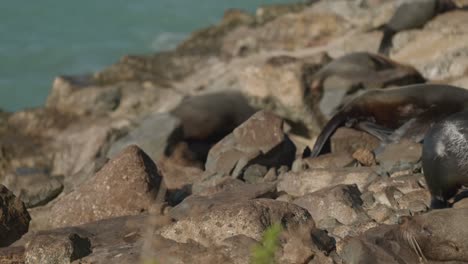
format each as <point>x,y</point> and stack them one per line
<point>14,218</point>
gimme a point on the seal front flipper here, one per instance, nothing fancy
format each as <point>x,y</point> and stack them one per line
<point>323,138</point>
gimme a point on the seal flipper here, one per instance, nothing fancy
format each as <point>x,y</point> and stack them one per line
<point>380,132</point>
<point>339,119</point>
<point>386,42</point>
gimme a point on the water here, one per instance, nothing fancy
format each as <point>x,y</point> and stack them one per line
<point>42,39</point>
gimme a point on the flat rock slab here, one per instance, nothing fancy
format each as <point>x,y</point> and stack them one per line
<point>249,218</point>
<point>341,202</point>
<point>34,187</point>
<point>14,218</point>
<point>197,205</point>
<point>126,185</point>
<point>309,181</point>
<point>349,140</point>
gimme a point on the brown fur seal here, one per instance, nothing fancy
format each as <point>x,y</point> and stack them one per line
<point>412,14</point>
<point>445,158</point>
<point>395,113</point>
<point>343,77</point>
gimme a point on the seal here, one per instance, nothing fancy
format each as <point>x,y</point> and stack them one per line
<point>439,235</point>
<point>339,80</point>
<point>410,15</point>
<point>392,114</point>
<point>445,158</point>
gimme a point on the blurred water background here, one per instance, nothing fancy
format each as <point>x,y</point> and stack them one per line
<point>42,39</point>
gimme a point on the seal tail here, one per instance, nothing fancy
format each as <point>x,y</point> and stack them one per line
<point>386,43</point>
<point>337,120</point>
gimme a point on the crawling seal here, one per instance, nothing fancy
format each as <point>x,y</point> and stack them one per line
<point>445,158</point>
<point>395,113</point>
<point>412,14</point>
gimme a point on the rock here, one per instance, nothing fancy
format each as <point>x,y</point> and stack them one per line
<point>350,140</point>
<point>80,150</point>
<point>330,160</point>
<point>288,32</point>
<point>57,249</point>
<point>260,140</point>
<point>364,156</point>
<point>207,118</point>
<point>255,173</point>
<point>126,185</point>
<point>309,181</point>
<point>341,202</point>
<point>155,135</point>
<point>77,95</point>
<point>403,153</point>
<point>33,186</point>
<point>14,218</point>
<point>198,205</point>
<point>409,47</point>
<point>251,219</point>
<point>380,213</point>
<point>12,255</point>
<point>278,85</point>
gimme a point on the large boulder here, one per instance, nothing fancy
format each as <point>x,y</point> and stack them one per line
<point>259,140</point>
<point>127,185</point>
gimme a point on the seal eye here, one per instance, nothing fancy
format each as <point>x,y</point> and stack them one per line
<point>403,220</point>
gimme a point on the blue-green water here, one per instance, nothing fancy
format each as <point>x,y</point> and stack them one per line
<point>42,39</point>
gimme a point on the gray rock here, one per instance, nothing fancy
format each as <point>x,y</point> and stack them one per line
<point>198,205</point>
<point>255,173</point>
<point>14,219</point>
<point>77,95</point>
<point>251,219</point>
<point>398,154</point>
<point>155,134</point>
<point>47,248</point>
<point>34,187</point>
<point>341,202</point>
<point>299,184</point>
<point>260,140</point>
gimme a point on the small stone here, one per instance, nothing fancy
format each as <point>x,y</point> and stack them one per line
<point>255,173</point>
<point>364,156</point>
<point>349,140</point>
<point>380,213</point>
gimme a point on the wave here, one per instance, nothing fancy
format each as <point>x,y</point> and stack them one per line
<point>167,41</point>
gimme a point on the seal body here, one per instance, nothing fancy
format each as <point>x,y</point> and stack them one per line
<point>396,113</point>
<point>412,14</point>
<point>445,158</point>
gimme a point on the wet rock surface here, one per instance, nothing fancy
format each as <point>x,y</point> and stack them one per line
<point>201,154</point>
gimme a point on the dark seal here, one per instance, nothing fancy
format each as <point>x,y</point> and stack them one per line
<point>393,114</point>
<point>445,158</point>
<point>412,14</point>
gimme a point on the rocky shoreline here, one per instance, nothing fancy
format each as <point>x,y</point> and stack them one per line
<point>191,155</point>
